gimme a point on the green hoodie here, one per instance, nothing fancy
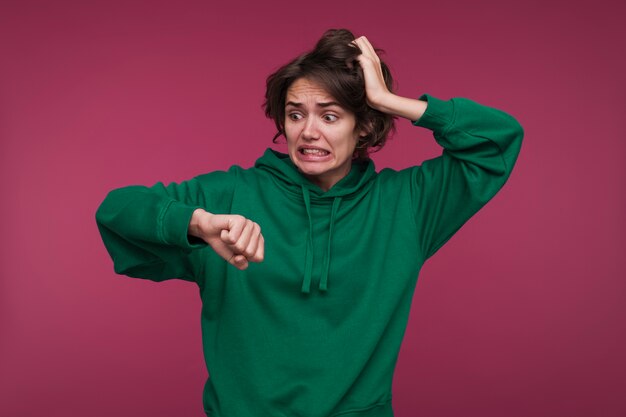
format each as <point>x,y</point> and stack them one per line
<point>315,329</point>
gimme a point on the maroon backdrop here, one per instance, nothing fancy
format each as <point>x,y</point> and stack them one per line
<point>520,314</point>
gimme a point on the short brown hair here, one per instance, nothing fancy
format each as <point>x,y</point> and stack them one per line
<point>333,64</point>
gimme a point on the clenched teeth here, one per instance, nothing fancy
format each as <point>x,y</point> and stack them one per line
<point>307,151</point>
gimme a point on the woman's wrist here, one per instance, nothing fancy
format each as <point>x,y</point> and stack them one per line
<point>194,223</point>
<point>395,105</point>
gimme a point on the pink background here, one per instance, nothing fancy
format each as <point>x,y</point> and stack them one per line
<point>522,313</point>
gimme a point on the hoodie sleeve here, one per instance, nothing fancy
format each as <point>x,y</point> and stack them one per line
<point>144,229</point>
<point>481,145</point>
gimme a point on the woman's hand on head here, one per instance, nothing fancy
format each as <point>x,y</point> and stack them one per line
<point>375,88</point>
<point>236,239</point>
<point>378,95</point>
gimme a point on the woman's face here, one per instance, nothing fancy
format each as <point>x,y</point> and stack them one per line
<point>321,135</point>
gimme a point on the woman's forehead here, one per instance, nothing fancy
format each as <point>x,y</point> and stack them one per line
<point>304,89</point>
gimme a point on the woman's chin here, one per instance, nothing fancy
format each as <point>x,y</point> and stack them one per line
<point>309,165</point>
<point>311,173</point>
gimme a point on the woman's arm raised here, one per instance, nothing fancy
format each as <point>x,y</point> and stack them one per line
<point>480,147</point>
<point>378,96</point>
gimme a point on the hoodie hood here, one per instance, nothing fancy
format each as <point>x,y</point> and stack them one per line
<point>289,178</point>
<point>283,169</point>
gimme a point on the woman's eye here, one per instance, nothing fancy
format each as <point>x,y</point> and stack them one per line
<point>295,116</point>
<point>330,117</point>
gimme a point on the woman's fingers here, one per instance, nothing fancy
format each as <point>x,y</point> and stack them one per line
<point>243,238</point>
<point>367,50</point>
<point>260,251</point>
<point>233,237</point>
<point>241,242</point>
<point>231,227</point>
<point>366,47</point>
<point>253,245</point>
<point>375,87</point>
<point>240,262</point>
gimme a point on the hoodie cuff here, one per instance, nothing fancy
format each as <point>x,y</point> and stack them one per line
<point>173,225</point>
<point>439,114</point>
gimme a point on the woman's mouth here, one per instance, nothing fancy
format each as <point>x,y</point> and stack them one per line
<point>314,151</point>
<point>307,154</point>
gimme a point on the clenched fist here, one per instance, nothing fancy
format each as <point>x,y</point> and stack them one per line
<point>233,237</point>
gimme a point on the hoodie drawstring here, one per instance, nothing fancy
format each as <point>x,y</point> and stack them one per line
<point>324,280</point>
<point>308,262</point>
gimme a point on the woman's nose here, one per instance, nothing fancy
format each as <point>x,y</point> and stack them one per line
<point>310,130</point>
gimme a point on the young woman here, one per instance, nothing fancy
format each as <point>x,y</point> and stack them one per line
<point>307,262</point>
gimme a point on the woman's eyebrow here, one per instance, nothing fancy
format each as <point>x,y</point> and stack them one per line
<point>328,104</point>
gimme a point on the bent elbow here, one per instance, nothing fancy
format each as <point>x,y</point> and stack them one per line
<point>512,146</point>
<point>517,131</point>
